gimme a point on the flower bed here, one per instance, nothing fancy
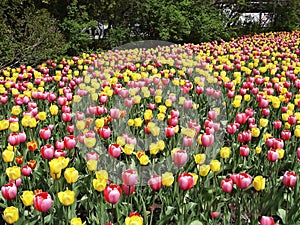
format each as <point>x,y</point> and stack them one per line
<point>192,134</point>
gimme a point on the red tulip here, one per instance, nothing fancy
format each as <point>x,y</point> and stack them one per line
<point>19,159</point>
<point>129,177</point>
<point>47,151</point>
<point>169,131</point>
<point>92,155</point>
<point>112,193</point>
<point>267,220</point>
<point>185,181</point>
<point>227,185</point>
<point>45,133</point>
<point>277,124</point>
<point>244,151</point>
<point>104,132</point>
<point>207,139</point>
<point>42,202</point>
<point>128,190</point>
<point>58,153</point>
<point>241,118</point>
<point>286,135</point>
<point>231,128</point>
<point>243,180</point>
<point>71,128</point>
<point>66,117</point>
<point>278,143</point>
<point>272,155</point>
<point>173,121</point>
<point>26,170</point>
<point>289,179</point>
<point>212,115</point>
<point>60,144</point>
<point>155,182</point>
<point>180,158</point>
<point>292,120</point>
<point>270,142</point>
<point>70,142</point>
<point>13,139</point>
<point>114,150</point>
<point>9,191</point>
<point>187,141</point>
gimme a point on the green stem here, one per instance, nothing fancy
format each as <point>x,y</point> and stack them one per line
<point>152,210</point>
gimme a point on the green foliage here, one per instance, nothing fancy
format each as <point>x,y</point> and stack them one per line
<point>76,21</point>
<point>29,37</point>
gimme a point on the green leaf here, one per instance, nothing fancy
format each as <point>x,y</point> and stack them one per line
<point>282,214</point>
<point>196,222</point>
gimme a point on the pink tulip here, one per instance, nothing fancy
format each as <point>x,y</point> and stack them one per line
<point>45,133</point>
<point>129,177</point>
<point>227,185</point>
<point>185,181</point>
<point>26,170</point>
<point>155,182</point>
<point>42,202</point>
<point>9,191</point>
<point>114,150</point>
<point>70,142</point>
<point>92,155</point>
<point>180,158</point>
<point>289,179</point>
<point>244,151</point>
<point>112,193</point>
<point>243,180</point>
<point>187,141</point>
<point>104,132</point>
<point>13,139</point>
<point>47,151</point>
<point>267,220</point>
<point>207,140</point>
<point>272,155</point>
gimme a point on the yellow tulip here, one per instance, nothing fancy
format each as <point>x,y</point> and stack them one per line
<point>16,110</point>
<point>255,132</point>
<point>14,127</point>
<point>76,221</point>
<point>42,116</point>
<point>263,122</point>
<point>258,150</point>
<point>215,165</point>
<point>53,110</point>
<point>11,215</point>
<point>144,160</point>
<point>4,124</point>
<point>13,172</point>
<point>128,149</point>
<point>71,175</point>
<point>134,220</point>
<point>90,142</point>
<point>138,122</point>
<point>203,170</point>
<point>66,197</point>
<point>167,179</point>
<point>199,158</point>
<point>99,184</point>
<point>27,198</point>
<point>225,152</point>
<point>259,183</point>
<point>8,156</point>
<point>92,165</point>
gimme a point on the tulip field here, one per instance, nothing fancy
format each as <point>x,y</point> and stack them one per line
<point>197,134</point>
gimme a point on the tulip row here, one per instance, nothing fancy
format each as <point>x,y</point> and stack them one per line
<point>159,136</point>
